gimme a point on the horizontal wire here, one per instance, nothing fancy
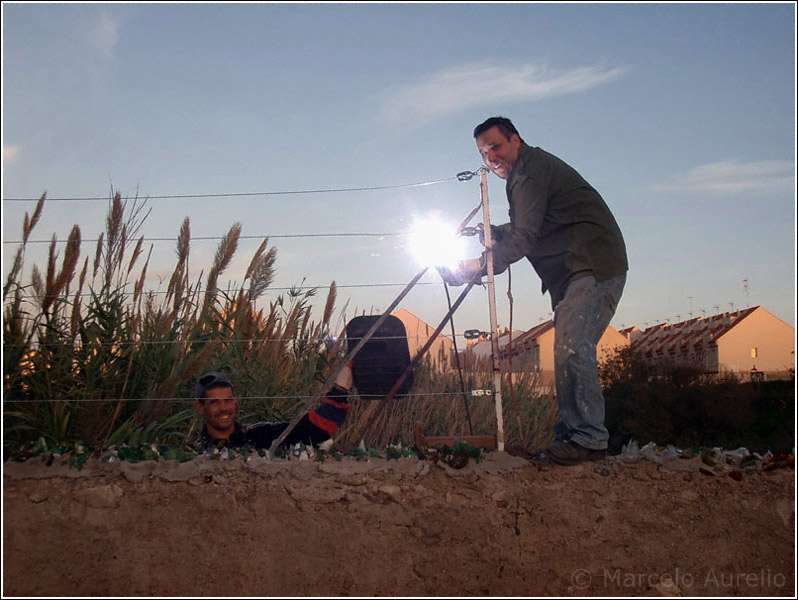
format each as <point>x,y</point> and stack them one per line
<point>10,298</point>
<point>247,194</point>
<point>239,398</point>
<point>121,344</point>
<point>241,237</point>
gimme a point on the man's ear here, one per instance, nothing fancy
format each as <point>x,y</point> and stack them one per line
<point>200,406</point>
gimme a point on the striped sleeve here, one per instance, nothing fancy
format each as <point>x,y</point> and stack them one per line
<point>332,413</point>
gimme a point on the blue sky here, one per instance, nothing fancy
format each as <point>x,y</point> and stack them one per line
<point>681,115</point>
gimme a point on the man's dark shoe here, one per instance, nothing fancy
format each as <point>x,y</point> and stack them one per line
<point>542,461</point>
<point>566,452</point>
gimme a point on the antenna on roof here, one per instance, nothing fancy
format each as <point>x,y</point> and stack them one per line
<point>746,288</point>
<point>690,298</point>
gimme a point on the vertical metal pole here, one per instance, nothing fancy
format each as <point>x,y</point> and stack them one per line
<point>494,333</point>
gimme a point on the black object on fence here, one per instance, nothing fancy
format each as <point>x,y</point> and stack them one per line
<point>382,360</point>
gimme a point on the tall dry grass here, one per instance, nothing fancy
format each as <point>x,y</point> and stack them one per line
<point>437,404</point>
<point>88,351</point>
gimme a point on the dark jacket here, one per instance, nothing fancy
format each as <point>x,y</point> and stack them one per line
<point>559,222</point>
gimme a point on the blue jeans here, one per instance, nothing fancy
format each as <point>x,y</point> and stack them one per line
<point>580,319</point>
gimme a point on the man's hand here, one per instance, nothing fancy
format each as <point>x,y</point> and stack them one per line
<point>466,270</point>
<point>451,277</point>
<point>496,234</point>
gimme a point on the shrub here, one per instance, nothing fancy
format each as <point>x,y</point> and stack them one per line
<point>682,406</point>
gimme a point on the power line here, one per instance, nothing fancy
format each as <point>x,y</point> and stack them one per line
<point>246,194</point>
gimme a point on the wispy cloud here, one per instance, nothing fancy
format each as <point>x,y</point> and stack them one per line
<point>472,86</point>
<point>103,34</point>
<point>735,177</point>
<point>10,155</point>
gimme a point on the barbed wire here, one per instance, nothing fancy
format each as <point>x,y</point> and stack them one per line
<point>248,194</point>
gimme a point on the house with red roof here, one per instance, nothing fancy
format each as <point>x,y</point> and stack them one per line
<point>751,342</point>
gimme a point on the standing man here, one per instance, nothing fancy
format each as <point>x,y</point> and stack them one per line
<point>565,229</point>
<point>218,406</point>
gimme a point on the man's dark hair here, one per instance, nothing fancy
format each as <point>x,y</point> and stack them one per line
<point>504,124</point>
<point>209,381</point>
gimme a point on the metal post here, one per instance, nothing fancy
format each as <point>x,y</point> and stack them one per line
<point>494,333</point>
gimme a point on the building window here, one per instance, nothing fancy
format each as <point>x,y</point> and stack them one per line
<point>754,353</point>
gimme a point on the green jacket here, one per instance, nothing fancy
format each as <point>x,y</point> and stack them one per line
<point>559,222</point>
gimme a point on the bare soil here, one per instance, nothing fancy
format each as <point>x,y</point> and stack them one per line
<point>403,527</point>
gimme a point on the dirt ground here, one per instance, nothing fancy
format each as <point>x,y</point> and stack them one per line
<point>402,527</point>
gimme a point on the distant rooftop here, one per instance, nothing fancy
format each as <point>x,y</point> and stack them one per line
<point>680,336</point>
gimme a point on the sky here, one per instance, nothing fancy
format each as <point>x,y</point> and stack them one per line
<point>681,115</point>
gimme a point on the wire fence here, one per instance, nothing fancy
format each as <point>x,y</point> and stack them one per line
<point>118,345</point>
<point>463,176</point>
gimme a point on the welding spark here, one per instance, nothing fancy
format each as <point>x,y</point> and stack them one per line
<point>435,243</point>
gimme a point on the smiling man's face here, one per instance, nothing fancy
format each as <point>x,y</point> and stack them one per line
<point>498,153</point>
<point>219,408</point>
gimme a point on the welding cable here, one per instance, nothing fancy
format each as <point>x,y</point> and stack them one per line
<point>457,357</point>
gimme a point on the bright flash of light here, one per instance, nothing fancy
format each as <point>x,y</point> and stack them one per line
<point>435,243</point>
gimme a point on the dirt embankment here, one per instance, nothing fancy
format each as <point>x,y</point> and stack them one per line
<point>403,527</point>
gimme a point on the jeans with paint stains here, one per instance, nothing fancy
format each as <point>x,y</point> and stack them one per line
<point>580,319</point>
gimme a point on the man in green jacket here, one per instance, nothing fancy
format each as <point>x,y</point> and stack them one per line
<point>565,229</point>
